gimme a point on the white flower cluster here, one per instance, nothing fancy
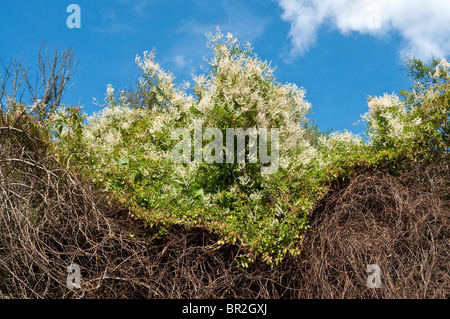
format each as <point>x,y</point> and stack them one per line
<point>346,137</point>
<point>104,128</point>
<point>339,139</point>
<point>245,86</point>
<point>308,155</point>
<point>155,80</point>
<point>109,90</point>
<point>388,118</point>
<point>383,102</point>
<point>422,93</point>
<point>442,69</point>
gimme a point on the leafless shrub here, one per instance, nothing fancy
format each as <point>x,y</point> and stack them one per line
<point>400,223</point>
<point>46,88</point>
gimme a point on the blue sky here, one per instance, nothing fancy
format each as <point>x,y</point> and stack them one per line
<point>324,46</point>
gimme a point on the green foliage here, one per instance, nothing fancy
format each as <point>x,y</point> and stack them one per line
<point>127,147</point>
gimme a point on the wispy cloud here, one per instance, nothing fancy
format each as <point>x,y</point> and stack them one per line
<point>180,61</point>
<point>183,64</point>
<point>423,25</point>
<point>112,19</point>
<point>114,27</point>
<point>235,17</point>
<point>137,6</point>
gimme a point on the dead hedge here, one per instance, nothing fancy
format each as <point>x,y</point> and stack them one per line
<point>401,224</point>
<point>50,218</point>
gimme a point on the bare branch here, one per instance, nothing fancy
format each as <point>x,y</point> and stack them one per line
<point>49,85</point>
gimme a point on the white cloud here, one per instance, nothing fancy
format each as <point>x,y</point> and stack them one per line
<point>424,25</point>
<point>180,64</point>
<point>180,61</point>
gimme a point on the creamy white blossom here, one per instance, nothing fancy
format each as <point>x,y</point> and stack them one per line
<point>383,102</point>
<point>109,90</point>
<point>442,69</point>
<point>346,137</point>
<point>255,196</point>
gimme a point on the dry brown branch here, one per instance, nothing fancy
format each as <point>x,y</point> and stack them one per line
<point>399,223</point>
<point>48,86</point>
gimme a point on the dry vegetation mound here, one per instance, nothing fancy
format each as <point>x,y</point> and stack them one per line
<point>50,218</point>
